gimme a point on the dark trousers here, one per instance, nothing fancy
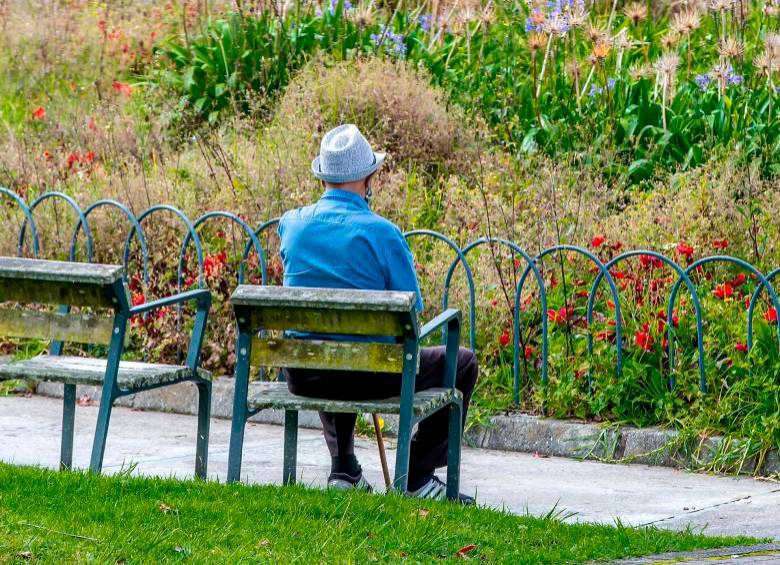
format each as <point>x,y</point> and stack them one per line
<point>429,445</point>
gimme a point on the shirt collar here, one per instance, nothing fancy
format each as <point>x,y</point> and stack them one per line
<point>344,196</point>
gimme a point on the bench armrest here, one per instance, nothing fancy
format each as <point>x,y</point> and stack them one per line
<point>203,298</point>
<point>445,318</point>
<point>202,295</point>
<point>449,320</point>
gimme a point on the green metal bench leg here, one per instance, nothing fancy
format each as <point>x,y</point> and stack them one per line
<point>204,421</point>
<point>101,433</point>
<point>401,480</point>
<point>238,423</point>
<point>290,446</point>
<point>68,423</point>
<point>453,449</point>
<point>235,453</point>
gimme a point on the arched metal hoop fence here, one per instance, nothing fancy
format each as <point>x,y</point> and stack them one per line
<point>29,233</point>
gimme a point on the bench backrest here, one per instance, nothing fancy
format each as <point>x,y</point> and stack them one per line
<point>326,311</point>
<point>34,281</point>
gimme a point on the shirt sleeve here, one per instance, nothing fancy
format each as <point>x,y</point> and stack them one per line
<point>399,267</point>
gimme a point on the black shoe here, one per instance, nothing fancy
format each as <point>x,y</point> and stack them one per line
<point>436,489</point>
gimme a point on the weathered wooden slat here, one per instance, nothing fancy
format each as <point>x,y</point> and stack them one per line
<point>315,354</point>
<point>324,298</point>
<point>354,322</point>
<point>276,395</point>
<point>89,371</point>
<point>77,328</point>
<point>56,292</point>
<point>60,271</point>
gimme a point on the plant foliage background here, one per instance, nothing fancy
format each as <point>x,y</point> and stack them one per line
<point>606,124</point>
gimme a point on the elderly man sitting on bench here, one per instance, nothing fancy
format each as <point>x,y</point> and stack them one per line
<point>339,242</point>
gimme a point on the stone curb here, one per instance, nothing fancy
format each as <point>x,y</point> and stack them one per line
<point>507,432</point>
<point>705,555</point>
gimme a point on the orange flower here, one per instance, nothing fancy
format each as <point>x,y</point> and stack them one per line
<point>39,113</point>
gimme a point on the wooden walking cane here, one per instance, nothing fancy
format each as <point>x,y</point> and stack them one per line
<point>381,443</point>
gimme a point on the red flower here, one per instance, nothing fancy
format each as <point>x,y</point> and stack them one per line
<point>88,157</point>
<point>138,298</point>
<point>618,274</point>
<point>646,260</point>
<point>504,339</point>
<point>529,352</point>
<point>46,155</point>
<point>212,264</point>
<point>739,346</point>
<point>72,159</point>
<point>684,249</point>
<point>720,244</point>
<point>771,314</point>
<point>738,281</point>
<point>598,241</point>
<point>559,316</point>
<point>644,340</point>
<point>122,87</point>
<point>494,302</point>
<point>39,113</point>
<point>723,291</point>
<point>605,336</point>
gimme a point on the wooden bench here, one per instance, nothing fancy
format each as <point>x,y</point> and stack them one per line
<point>99,288</point>
<point>347,313</point>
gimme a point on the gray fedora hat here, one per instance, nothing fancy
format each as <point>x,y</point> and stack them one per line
<point>345,156</point>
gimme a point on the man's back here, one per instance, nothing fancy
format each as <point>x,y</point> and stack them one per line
<point>340,243</point>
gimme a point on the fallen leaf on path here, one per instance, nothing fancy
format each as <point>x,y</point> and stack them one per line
<point>538,455</point>
<point>84,400</point>
<point>465,550</point>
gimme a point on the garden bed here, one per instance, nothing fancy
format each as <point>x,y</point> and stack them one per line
<point>51,516</point>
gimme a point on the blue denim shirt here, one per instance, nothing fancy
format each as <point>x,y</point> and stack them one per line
<point>339,242</point>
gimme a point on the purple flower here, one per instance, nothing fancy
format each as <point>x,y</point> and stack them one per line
<point>611,83</point>
<point>595,90</point>
<point>535,22</point>
<point>392,42</point>
<point>703,81</point>
<point>425,21</point>
<point>735,80</point>
<point>335,3</point>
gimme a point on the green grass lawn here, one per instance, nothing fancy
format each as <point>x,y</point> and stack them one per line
<point>49,516</point>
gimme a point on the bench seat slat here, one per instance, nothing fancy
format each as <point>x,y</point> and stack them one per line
<point>276,395</point>
<point>334,355</point>
<point>58,282</point>
<point>59,271</point>
<point>53,292</point>
<point>55,326</point>
<point>322,320</point>
<point>88,371</point>
<point>323,298</point>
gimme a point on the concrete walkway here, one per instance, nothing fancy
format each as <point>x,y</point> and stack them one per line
<point>164,444</point>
